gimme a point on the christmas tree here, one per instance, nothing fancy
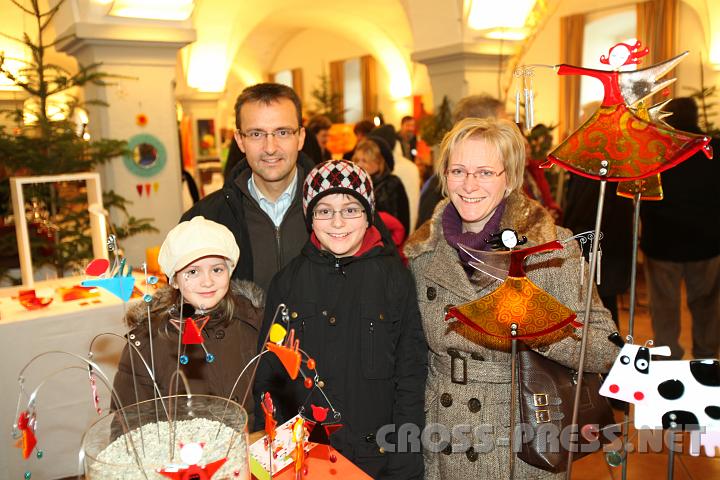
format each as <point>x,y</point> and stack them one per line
<point>47,140</point>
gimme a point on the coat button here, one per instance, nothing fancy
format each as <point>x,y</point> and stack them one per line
<point>471,454</point>
<point>474,405</point>
<point>431,293</point>
<point>445,400</point>
<point>219,334</point>
<point>332,320</point>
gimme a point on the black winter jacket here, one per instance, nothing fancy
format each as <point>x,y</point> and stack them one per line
<point>232,344</point>
<point>390,197</point>
<point>264,249</point>
<point>685,225</point>
<point>358,317</point>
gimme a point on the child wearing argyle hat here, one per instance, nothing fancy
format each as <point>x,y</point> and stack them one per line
<point>352,305</point>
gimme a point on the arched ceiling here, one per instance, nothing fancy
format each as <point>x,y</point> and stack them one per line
<point>247,44</point>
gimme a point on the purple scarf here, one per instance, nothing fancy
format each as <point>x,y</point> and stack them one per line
<point>452,229</point>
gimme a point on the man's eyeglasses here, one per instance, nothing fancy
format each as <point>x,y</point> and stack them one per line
<point>483,175</point>
<point>346,213</point>
<point>280,134</point>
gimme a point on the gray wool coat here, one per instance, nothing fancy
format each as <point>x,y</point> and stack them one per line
<point>485,398</point>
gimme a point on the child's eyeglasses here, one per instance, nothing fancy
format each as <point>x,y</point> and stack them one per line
<point>346,213</point>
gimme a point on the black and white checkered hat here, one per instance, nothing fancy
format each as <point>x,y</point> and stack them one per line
<point>337,176</point>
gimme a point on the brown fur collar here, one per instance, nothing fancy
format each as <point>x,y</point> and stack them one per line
<point>163,299</point>
<point>522,214</point>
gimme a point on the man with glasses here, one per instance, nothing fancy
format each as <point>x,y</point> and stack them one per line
<point>261,201</point>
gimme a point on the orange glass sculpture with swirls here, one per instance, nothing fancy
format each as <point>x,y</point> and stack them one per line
<point>619,142</point>
<point>540,318</point>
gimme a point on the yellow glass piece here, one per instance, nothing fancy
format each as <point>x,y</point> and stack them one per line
<point>649,188</point>
<point>277,333</point>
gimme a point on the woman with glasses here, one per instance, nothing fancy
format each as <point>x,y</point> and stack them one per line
<point>353,307</point>
<point>481,172</point>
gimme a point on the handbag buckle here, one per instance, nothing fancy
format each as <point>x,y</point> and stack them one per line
<point>542,416</point>
<point>457,361</point>
<point>540,399</point>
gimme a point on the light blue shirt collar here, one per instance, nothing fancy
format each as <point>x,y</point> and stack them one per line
<point>275,210</point>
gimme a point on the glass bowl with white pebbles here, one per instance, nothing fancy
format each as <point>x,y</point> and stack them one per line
<point>178,432</point>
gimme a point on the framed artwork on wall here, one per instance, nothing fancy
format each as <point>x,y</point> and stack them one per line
<point>207,141</point>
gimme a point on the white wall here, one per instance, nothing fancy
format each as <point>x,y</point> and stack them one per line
<point>313,50</point>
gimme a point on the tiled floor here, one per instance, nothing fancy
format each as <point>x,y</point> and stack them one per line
<point>653,466</point>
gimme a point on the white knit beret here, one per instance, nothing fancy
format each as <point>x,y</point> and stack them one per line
<point>195,239</point>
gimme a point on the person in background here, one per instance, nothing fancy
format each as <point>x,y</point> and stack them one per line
<point>354,310</point>
<point>197,256</point>
<point>681,242</point>
<point>535,183</point>
<point>481,171</point>
<point>361,130</point>
<point>374,156</point>
<point>261,200</point>
<point>319,125</point>
<point>477,106</point>
<point>190,193</point>
<point>403,168</point>
<point>407,138</point>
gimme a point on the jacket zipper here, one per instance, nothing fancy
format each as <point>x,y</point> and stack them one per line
<point>338,267</point>
<point>279,249</point>
<point>372,345</point>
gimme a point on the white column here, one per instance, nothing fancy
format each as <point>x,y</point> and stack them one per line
<point>460,70</point>
<point>144,60</point>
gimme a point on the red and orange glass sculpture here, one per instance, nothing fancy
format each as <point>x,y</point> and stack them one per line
<point>27,441</point>
<point>615,143</point>
<point>518,306</point>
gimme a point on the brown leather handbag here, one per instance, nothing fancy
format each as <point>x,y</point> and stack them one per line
<point>546,392</point>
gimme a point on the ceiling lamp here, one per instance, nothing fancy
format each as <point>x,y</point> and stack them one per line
<point>507,23</point>
<point>153,9</point>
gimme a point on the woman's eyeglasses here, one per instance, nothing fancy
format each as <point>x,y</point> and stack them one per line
<point>483,175</point>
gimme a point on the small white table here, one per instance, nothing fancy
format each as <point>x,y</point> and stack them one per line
<point>64,404</point>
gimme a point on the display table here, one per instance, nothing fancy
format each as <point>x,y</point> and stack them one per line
<point>64,404</point>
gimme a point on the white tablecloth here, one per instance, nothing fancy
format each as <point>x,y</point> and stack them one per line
<point>64,404</point>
